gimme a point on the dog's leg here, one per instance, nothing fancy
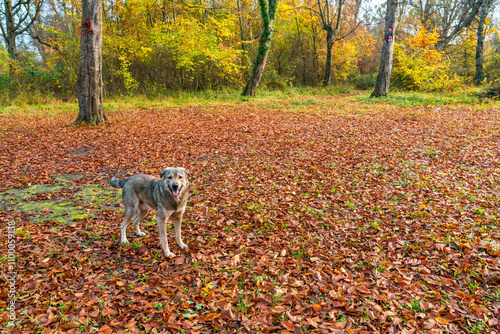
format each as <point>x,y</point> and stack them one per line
<point>162,218</point>
<point>141,213</point>
<point>177,218</point>
<point>129,213</point>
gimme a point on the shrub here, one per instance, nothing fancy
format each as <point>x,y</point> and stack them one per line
<point>365,81</point>
<point>419,66</point>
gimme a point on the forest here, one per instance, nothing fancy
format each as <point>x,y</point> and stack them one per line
<point>153,47</point>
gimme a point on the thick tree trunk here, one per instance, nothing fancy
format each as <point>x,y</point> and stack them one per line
<point>90,73</point>
<point>10,30</point>
<point>268,12</point>
<point>480,46</point>
<point>330,35</point>
<point>384,74</point>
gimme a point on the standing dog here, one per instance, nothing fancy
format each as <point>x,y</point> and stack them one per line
<point>167,195</point>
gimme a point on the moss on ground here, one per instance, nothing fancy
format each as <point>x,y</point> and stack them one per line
<point>62,202</point>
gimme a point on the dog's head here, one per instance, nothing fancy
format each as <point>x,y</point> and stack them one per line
<point>176,179</point>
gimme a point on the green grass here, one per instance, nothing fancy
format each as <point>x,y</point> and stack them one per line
<point>293,98</point>
<point>413,99</point>
<point>35,103</point>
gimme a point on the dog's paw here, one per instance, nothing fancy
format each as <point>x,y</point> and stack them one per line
<point>140,233</point>
<point>124,241</point>
<point>169,254</point>
<point>183,245</point>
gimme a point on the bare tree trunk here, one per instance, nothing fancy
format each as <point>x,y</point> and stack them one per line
<point>480,42</point>
<point>268,13</point>
<point>242,29</point>
<point>315,77</point>
<point>10,33</point>
<point>384,74</point>
<point>330,35</point>
<point>90,73</point>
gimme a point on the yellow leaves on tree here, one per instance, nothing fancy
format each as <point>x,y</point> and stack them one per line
<point>418,65</point>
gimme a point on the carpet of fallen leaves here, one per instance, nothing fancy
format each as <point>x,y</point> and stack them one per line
<point>324,217</point>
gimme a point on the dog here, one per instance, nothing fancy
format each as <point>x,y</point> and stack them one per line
<point>167,195</point>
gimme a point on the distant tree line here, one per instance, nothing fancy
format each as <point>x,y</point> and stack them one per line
<point>152,47</point>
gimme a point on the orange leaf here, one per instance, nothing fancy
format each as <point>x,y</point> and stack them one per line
<point>442,321</point>
<point>316,307</point>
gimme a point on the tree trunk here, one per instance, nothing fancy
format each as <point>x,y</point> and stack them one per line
<point>480,46</point>
<point>268,13</point>
<point>328,67</point>
<point>90,73</point>
<point>384,74</point>
<point>10,30</point>
<point>242,30</point>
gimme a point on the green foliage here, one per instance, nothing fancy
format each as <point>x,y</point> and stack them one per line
<point>365,81</point>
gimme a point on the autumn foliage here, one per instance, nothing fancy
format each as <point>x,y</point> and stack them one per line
<point>418,65</point>
<point>322,215</point>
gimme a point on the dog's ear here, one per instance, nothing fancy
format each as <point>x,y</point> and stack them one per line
<point>165,171</point>
<point>182,169</point>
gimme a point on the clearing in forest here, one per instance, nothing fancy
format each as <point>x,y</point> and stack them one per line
<point>308,215</point>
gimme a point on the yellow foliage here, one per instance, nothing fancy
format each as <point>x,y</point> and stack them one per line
<point>4,61</point>
<point>420,66</point>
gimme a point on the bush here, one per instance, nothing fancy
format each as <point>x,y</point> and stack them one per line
<point>420,67</point>
<point>365,81</point>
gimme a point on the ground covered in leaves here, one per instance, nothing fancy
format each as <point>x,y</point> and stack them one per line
<point>317,215</point>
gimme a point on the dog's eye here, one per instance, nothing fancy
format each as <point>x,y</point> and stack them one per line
<point>180,177</point>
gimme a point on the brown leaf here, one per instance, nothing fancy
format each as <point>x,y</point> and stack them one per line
<point>105,330</point>
<point>69,325</point>
<point>179,260</point>
<point>340,325</point>
<point>429,323</point>
<point>493,322</point>
<point>110,312</point>
<point>288,325</point>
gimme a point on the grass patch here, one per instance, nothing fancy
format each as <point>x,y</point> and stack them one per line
<point>413,99</point>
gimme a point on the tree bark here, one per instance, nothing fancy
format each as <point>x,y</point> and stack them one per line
<point>10,34</point>
<point>384,74</point>
<point>480,43</point>
<point>90,88</point>
<point>330,35</point>
<point>268,13</point>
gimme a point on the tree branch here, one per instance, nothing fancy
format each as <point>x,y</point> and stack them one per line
<point>40,40</point>
<point>350,32</point>
<point>32,19</point>
<point>339,15</point>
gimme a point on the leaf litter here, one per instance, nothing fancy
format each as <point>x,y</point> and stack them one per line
<point>300,220</point>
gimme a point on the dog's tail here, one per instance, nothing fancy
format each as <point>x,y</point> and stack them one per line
<point>117,183</point>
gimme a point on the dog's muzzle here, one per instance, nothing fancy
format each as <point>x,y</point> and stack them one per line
<point>175,189</point>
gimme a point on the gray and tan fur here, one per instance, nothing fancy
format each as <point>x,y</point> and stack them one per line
<point>168,195</point>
